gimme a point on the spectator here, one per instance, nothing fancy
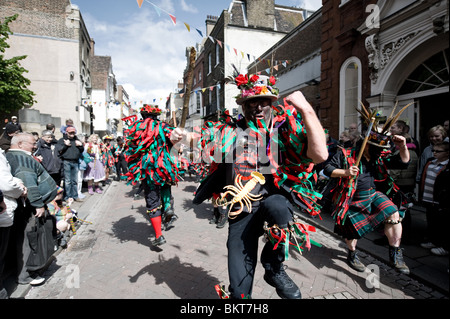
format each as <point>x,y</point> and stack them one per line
<point>49,155</point>
<point>434,196</point>
<point>353,128</point>
<point>121,163</point>
<point>436,134</point>
<point>63,216</point>
<point>95,171</point>
<point>82,165</point>
<point>41,189</point>
<point>70,150</point>
<point>50,127</point>
<point>348,139</point>
<point>5,140</point>
<point>414,140</point>
<point>405,179</point>
<point>69,122</point>
<point>15,122</point>
<point>11,188</point>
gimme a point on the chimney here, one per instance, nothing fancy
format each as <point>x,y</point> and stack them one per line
<point>92,47</point>
<point>210,23</point>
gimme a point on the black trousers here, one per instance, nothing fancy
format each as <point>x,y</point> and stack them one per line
<point>4,239</point>
<point>152,195</point>
<point>121,166</point>
<point>243,236</point>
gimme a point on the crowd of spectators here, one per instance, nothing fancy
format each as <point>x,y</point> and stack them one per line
<point>41,177</point>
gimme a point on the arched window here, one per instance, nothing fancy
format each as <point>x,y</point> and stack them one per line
<point>432,74</point>
<point>349,93</point>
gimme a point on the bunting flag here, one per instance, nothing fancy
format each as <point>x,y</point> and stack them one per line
<point>174,19</point>
<point>214,40</point>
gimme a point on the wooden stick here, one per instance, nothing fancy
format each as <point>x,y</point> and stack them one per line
<point>361,151</point>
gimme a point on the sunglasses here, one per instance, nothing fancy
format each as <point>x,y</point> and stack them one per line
<point>437,151</point>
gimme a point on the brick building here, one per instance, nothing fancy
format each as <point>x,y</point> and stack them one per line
<point>53,36</point>
<point>381,52</point>
<point>377,52</point>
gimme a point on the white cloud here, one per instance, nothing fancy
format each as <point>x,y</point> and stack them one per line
<point>148,53</point>
<point>187,8</point>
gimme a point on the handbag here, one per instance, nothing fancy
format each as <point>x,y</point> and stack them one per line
<point>42,242</point>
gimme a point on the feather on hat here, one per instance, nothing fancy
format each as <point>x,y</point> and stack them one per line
<point>379,133</point>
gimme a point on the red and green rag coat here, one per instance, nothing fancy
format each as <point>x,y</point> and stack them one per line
<point>293,173</point>
<point>364,209</point>
<point>148,152</point>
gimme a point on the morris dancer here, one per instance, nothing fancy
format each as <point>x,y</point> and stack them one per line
<point>364,195</point>
<point>272,153</point>
<point>151,164</point>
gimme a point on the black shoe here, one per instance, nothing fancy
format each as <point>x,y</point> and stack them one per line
<point>284,285</point>
<point>216,216</point>
<point>159,241</point>
<point>222,221</point>
<point>354,262</point>
<point>169,224</point>
<point>167,216</point>
<point>396,260</point>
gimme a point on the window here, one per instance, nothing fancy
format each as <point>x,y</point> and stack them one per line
<point>199,102</point>
<point>217,53</point>
<point>218,97</point>
<point>209,63</point>
<point>350,92</point>
<point>432,74</point>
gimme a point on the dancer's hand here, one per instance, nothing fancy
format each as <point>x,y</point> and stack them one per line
<point>399,141</point>
<point>353,171</point>
<point>298,100</point>
<point>177,135</point>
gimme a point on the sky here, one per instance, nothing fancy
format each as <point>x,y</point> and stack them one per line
<point>147,48</point>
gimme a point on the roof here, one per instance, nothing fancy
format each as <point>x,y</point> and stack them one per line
<point>285,18</point>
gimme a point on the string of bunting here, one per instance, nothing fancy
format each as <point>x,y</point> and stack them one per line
<point>230,49</point>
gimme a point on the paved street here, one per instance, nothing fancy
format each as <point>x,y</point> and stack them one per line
<point>112,258</point>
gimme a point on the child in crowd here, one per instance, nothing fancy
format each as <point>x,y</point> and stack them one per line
<point>64,216</point>
<point>95,171</point>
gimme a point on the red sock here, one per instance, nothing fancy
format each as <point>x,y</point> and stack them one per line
<point>156,223</point>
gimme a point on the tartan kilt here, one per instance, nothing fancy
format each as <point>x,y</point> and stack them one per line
<point>367,211</point>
